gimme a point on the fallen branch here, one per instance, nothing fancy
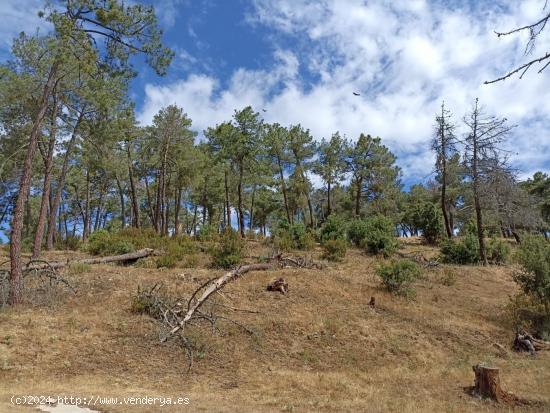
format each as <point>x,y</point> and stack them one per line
<point>211,287</point>
<point>526,342</point>
<point>419,258</point>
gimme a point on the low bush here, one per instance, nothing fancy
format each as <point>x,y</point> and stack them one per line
<point>208,232</point>
<point>398,276</point>
<point>462,251</point>
<point>534,277</point>
<point>357,231</point>
<point>294,236</point>
<point>497,251</point>
<point>334,228</point>
<point>334,250</point>
<point>380,236</point>
<point>103,242</point>
<point>229,251</point>
<point>70,243</point>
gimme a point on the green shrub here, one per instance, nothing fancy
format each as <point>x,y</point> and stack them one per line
<point>104,243</point>
<point>534,277</point>
<point>463,251</point>
<point>357,231</point>
<point>497,251</point>
<point>175,250</point>
<point>335,227</point>
<point>398,276</point>
<point>294,236</point>
<point>166,261</point>
<point>430,222</point>
<point>208,232</point>
<point>334,249</point>
<point>229,251</point>
<point>380,236</point>
<point>140,237</point>
<point>70,243</point>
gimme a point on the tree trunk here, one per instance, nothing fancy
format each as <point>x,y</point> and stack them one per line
<point>61,184</point>
<point>48,165</point>
<point>133,194</point>
<point>86,220</point>
<point>150,208</point>
<point>283,188</point>
<point>358,190</point>
<point>251,223</point>
<point>328,199</point>
<point>448,228</point>
<point>487,382</point>
<point>227,204</point>
<point>240,200</point>
<point>16,287</point>
<point>477,203</point>
<point>122,206</point>
<point>177,208</point>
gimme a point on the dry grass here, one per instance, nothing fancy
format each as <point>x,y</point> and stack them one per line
<point>318,349</point>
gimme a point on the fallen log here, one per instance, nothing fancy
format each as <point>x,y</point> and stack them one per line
<point>131,256</point>
<point>526,342</point>
<point>211,287</point>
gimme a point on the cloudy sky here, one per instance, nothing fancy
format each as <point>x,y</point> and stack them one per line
<point>302,60</point>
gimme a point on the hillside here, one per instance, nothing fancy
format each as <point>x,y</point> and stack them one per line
<point>320,348</point>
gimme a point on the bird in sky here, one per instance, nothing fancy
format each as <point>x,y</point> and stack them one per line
<point>264,110</point>
<point>356,94</point>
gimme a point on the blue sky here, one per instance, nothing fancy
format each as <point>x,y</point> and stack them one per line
<point>302,59</point>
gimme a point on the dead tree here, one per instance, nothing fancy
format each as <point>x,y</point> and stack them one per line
<point>444,147</point>
<point>534,29</point>
<point>482,152</point>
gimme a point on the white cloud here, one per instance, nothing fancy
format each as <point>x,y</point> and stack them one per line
<point>404,57</point>
<point>18,16</point>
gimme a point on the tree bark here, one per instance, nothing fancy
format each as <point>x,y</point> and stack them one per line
<point>328,199</point>
<point>283,189</point>
<point>358,191</point>
<point>240,200</point>
<point>61,184</point>
<point>133,194</point>
<point>48,165</point>
<point>16,293</point>
<point>122,206</point>
<point>487,382</point>
<point>86,220</point>
<point>177,208</point>
<point>227,203</point>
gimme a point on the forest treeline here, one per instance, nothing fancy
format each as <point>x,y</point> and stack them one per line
<point>74,159</point>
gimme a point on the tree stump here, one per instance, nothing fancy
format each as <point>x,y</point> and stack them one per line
<point>278,284</point>
<point>487,382</point>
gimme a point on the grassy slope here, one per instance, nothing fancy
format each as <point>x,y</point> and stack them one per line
<point>320,348</point>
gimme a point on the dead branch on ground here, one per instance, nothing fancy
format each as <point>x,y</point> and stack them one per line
<point>526,342</point>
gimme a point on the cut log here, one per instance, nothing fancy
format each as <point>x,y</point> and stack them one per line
<point>212,287</point>
<point>131,256</point>
<point>526,342</point>
<point>487,382</point>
